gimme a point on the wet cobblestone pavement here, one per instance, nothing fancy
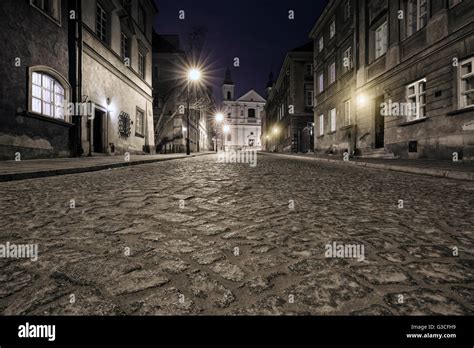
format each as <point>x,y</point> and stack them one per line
<point>199,237</point>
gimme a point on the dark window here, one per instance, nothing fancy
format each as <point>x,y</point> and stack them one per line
<point>101,23</point>
<point>229,95</point>
<point>124,47</point>
<point>251,113</point>
<point>49,7</point>
<point>413,146</point>
<point>141,65</point>
<point>141,18</point>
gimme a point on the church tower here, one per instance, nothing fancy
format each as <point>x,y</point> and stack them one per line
<point>228,86</point>
<point>270,85</point>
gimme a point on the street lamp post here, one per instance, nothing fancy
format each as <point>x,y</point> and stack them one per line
<point>193,75</point>
<point>220,119</point>
<point>225,130</point>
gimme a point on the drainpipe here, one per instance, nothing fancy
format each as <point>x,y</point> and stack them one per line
<point>79,73</point>
<point>75,74</point>
<point>356,67</point>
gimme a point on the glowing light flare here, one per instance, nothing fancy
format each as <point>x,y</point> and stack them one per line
<point>194,74</point>
<point>219,117</point>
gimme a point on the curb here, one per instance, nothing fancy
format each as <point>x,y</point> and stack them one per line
<point>440,173</point>
<point>80,170</point>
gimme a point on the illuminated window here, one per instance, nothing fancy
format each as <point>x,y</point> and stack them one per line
<point>332,73</point>
<point>321,83</point>
<point>47,96</point>
<point>416,97</point>
<point>332,119</point>
<point>321,124</point>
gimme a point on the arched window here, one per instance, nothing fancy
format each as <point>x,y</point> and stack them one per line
<point>49,93</point>
<point>229,137</point>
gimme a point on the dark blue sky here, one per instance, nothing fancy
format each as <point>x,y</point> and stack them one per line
<point>257,31</point>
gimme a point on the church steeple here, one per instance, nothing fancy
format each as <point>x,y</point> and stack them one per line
<point>270,84</point>
<point>228,77</point>
<point>228,86</point>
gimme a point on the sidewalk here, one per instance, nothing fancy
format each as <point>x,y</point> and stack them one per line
<point>29,169</point>
<point>437,168</point>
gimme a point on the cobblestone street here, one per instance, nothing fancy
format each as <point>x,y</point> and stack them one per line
<point>195,236</point>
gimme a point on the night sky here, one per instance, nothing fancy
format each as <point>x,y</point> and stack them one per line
<point>257,31</point>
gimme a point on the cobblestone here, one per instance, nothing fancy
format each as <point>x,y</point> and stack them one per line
<point>161,239</point>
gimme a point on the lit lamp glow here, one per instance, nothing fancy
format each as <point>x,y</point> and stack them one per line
<point>361,100</point>
<point>219,117</point>
<point>194,74</point>
<point>226,128</point>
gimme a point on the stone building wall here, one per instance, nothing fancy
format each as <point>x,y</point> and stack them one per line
<point>29,38</point>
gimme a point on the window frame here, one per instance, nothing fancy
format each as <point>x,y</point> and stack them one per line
<point>332,29</point>
<point>347,10</point>
<point>309,96</point>
<point>383,41</point>
<point>141,64</point>
<point>321,43</point>
<point>332,73</point>
<point>419,16</point>
<point>57,79</point>
<point>416,95</point>
<point>321,125</point>
<point>332,120</point>
<point>461,77</point>
<point>347,54</point>
<point>125,47</point>
<point>140,131</point>
<point>321,82</point>
<point>348,112</point>
<point>103,32</point>
<point>56,5</point>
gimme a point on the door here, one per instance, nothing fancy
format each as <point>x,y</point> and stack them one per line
<point>379,123</point>
<point>98,131</point>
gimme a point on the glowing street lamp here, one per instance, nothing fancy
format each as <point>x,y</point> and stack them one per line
<point>219,117</point>
<point>194,75</point>
<point>361,99</point>
<point>226,128</point>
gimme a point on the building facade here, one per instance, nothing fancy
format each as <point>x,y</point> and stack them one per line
<point>117,76</point>
<point>242,116</point>
<point>335,78</point>
<point>80,78</point>
<point>289,108</point>
<point>36,80</point>
<point>409,92</point>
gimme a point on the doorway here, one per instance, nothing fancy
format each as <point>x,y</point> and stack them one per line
<point>98,131</point>
<point>379,123</point>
